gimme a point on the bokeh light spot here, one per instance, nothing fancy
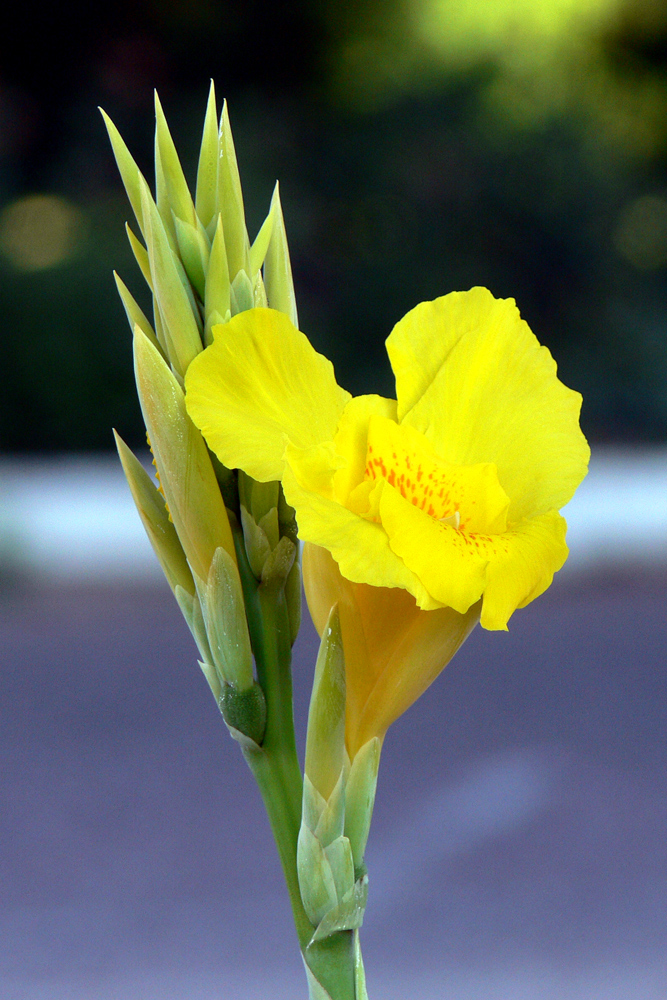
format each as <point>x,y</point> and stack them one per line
<point>40,231</point>
<point>641,233</point>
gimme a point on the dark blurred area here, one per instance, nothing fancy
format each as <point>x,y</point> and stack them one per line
<point>421,145</point>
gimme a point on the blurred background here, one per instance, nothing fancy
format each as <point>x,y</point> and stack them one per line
<point>421,146</point>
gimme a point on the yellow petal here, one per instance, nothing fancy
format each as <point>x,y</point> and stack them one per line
<point>393,650</point>
<point>259,385</point>
<point>361,547</point>
<point>446,561</point>
<point>523,568</point>
<point>406,460</point>
<point>474,380</point>
<point>351,440</point>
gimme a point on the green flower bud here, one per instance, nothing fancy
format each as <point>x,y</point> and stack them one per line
<point>155,518</point>
<point>277,266</point>
<point>182,460</point>
<point>226,626</point>
<point>244,711</point>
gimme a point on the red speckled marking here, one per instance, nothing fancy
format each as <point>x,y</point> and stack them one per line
<point>419,480</point>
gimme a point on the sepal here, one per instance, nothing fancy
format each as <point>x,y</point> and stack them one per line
<point>316,879</point>
<point>348,915</point>
<point>360,797</point>
<point>212,679</point>
<point>192,612</point>
<point>256,543</point>
<point>278,565</point>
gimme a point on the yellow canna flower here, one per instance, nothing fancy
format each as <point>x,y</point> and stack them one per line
<point>443,498</point>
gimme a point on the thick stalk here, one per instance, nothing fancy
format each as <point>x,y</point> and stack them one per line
<point>333,963</point>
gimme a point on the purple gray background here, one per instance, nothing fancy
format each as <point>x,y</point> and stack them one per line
<point>518,848</point>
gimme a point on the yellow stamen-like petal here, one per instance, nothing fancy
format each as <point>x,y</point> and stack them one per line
<point>360,546</point>
<point>351,441</point>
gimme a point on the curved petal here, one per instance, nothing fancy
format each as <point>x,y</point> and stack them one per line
<point>351,439</point>
<point>472,377</point>
<point>535,550</point>
<point>259,385</point>
<point>360,547</point>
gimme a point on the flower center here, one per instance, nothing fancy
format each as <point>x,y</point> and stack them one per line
<point>468,498</point>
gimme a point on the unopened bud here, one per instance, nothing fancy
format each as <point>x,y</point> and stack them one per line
<point>226,624</point>
<point>244,711</point>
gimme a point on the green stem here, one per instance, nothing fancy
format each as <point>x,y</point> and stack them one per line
<point>333,963</point>
<point>276,768</point>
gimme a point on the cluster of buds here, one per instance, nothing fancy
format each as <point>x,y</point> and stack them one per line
<point>228,544</point>
<point>205,523</point>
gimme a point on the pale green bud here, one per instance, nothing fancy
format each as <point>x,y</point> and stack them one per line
<point>230,200</point>
<point>217,295</point>
<point>256,543</point>
<point>277,266</point>
<point>129,171</point>
<point>293,597</point>
<point>195,251</point>
<point>140,255</point>
<point>226,624</point>
<point>186,474</point>
<point>241,293</point>
<point>360,797</point>
<point>207,170</point>
<point>178,199</point>
<point>172,290</point>
<point>261,244</point>
<point>325,740</point>
<point>154,516</point>
<point>135,315</point>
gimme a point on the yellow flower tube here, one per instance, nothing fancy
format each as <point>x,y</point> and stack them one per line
<point>424,513</point>
<point>393,650</point>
